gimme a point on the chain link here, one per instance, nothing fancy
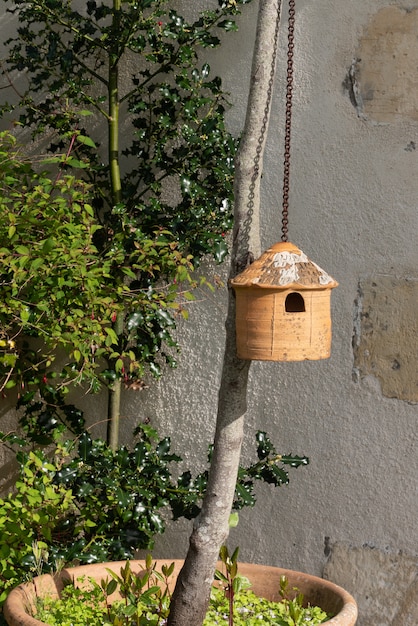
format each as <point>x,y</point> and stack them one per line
<point>288,124</point>
<point>245,233</point>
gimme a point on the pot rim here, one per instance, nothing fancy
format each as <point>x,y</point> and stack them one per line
<point>20,600</point>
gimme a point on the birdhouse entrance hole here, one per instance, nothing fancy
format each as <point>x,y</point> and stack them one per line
<point>294,303</point>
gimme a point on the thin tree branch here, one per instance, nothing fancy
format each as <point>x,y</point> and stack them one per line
<point>191,596</point>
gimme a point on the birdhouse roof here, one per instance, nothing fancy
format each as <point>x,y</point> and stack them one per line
<point>284,266</point>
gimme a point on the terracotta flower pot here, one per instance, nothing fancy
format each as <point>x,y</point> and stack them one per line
<point>264,579</point>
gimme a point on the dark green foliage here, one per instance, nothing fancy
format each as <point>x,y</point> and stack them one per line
<point>270,468</point>
<point>120,494</point>
<point>171,106</point>
<point>84,502</point>
<point>139,186</point>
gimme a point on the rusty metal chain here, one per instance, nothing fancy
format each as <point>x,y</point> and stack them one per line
<point>288,124</point>
<point>245,233</point>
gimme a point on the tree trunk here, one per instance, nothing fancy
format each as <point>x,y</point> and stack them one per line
<point>191,595</point>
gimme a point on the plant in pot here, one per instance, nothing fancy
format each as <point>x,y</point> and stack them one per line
<point>78,501</point>
<point>140,593</point>
<point>64,52</point>
<point>81,499</point>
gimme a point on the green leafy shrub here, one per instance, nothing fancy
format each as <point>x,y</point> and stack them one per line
<point>76,607</point>
<point>30,515</point>
<point>58,287</point>
<point>94,265</point>
<point>251,610</point>
<point>146,600</point>
<point>79,501</point>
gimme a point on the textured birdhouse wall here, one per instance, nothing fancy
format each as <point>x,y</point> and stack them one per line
<point>270,327</point>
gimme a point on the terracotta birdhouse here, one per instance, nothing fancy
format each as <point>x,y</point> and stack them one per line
<point>283,307</point>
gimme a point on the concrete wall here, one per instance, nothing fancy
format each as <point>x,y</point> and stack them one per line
<point>353,512</point>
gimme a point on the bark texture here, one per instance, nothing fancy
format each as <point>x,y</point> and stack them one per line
<point>191,595</point>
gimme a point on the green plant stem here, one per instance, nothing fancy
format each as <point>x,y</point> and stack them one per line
<point>113,123</point>
<point>231,606</point>
<point>114,138</point>
<point>115,393</point>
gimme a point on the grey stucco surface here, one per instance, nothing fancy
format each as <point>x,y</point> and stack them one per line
<point>353,210</point>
